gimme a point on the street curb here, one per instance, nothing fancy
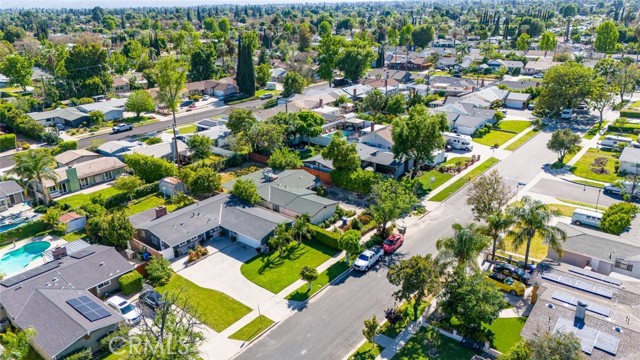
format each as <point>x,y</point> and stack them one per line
<point>246,344</point>
<point>521,145</point>
<point>306,301</point>
<point>465,185</point>
<point>577,183</point>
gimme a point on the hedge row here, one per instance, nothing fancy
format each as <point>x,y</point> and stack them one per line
<point>7,142</point>
<point>630,114</point>
<point>326,237</point>
<point>123,198</point>
<point>131,283</point>
<point>22,232</point>
<point>629,128</point>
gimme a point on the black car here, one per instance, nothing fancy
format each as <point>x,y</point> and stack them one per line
<point>341,82</point>
<point>513,271</point>
<point>152,299</point>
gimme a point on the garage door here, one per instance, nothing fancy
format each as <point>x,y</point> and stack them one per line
<point>248,241</point>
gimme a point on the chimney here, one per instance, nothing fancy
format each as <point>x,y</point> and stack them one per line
<point>373,126</point>
<point>59,252</point>
<point>354,95</point>
<point>161,211</point>
<point>321,103</point>
<point>581,309</point>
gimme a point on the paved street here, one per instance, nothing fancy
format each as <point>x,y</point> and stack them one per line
<point>572,191</point>
<point>331,326</point>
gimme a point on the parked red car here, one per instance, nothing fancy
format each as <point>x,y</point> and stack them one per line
<point>392,243</point>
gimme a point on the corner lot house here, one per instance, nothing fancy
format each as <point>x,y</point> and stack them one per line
<point>10,194</point>
<point>173,235</point>
<point>79,176</point>
<point>47,298</point>
<point>630,160</point>
<point>289,192</point>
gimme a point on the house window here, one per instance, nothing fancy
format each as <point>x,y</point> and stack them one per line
<point>154,240</point>
<point>104,284</point>
<point>623,265</point>
<point>108,175</point>
<point>84,182</point>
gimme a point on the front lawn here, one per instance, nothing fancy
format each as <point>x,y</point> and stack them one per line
<point>189,129</point>
<point>538,248</point>
<point>581,167</point>
<point>566,210</point>
<point>417,348</point>
<point>517,126</point>
<point>275,273</point>
<point>589,183</point>
<point>252,329</point>
<point>458,184</point>
<point>582,204</point>
<point>80,199</point>
<point>571,155</point>
<point>324,278</point>
<point>213,308</point>
<point>506,332</point>
<point>439,178</point>
<point>615,133</point>
<point>368,351</point>
<point>265,91</point>
<point>494,137</point>
<point>406,310</point>
<point>522,140</point>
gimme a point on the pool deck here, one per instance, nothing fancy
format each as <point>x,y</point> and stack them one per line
<point>53,240</point>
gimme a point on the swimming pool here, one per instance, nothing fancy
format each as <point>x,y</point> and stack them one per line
<point>17,259</point>
<point>8,227</point>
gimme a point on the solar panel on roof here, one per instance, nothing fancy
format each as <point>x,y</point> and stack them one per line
<point>591,306</point>
<point>82,253</point>
<point>590,337</point>
<point>88,308</point>
<point>595,275</point>
<point>607,343</point>
<point>30,273</point>
<point>579,284</point>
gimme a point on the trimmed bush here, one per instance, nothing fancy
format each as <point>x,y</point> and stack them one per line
<point>116,200</point>
<point>326,237</point>
<point>628,128</point>
<point>7,142</point>
<point>84,354</point>
<point>131,283</point>
<point>22,232</point>
<point>630,114</point>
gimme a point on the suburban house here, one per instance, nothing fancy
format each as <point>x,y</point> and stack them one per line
<point>518,85</point>
<point>538,67</point>
<point>604,253</point>
<point>517,100</point>
<point>630,160</point>
<point>49,299</point>
<point>83,175</point>
<point>511,64</point>
<point>170,186</point>
<point>355,92</point>
<point>289,192</point>
<point>70,117</point>
<point>163,150</point>
<point>112,109</point>
<point>10,194</point>
<point>172,235</point>
<point>207,124</point>
<point>381,139</point>
<point>120,84</point>
<point>72,157</point>
<point>211,87</point>
<point>115,148</point>
<point>465,118</point>
<point>387,86</point>
<point>73,221</point>
<point>277,75</point>
<point>450,85</point>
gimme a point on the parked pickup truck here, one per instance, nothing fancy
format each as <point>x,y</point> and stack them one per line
<point>368,258</point>
<point>121,127</point>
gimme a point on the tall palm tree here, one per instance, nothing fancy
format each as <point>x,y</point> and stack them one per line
<point>496,224</point>
<point>36,166</point>
<point>281,238</point>
<point>531,217</point>
<point>301,229</point>
<point>463,247</point>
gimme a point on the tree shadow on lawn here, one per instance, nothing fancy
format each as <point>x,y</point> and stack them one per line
<point>275,260</point>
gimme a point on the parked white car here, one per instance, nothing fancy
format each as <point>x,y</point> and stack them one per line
<point>130,312</point>
<point>368,258</point>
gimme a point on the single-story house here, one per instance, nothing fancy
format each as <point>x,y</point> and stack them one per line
<point>511,64</point>
<point>72,157</point>
<point>381,139</point>
<point>115,148</point>
<point>120,84</point>
<point>211,87</point>
<point>10,194</point>
<point>73,221</point>
<point>83,175</point>
<point>537,67</point>
<point>518,85</point>
<point>277,75</point>
<point>162,150</point>
<point>218,133</point>
<point>48,299</point>
<point>604,253</point>
<point>289,192</point>
<point>450,85</point>
<point>176,233</point>
<point>517,100</point>
<point>206,124</point>
<point>355,92</point>
<point>70,117</point>
<point>170,186</point>
<point>112,109</point>
<point>469,124</point>
<point>630,160</point>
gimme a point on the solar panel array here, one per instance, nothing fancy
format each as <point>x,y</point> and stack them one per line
<point>30,273</point>
<point>572,300</point>
<point>88,308</point>
<point>590,338</point>
<point>82,253</point>
<point>579,284</point>
<point>595,275</point>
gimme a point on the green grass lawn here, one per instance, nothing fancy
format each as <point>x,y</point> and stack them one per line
<point>324,278</point>
<point>438,177</point>
<point>635,104</point>
<point>77,235</point>
<point>581,167</point>
<point>265,91</point>
<point>213,308</point>
<point>146,203</point>
<point>368,351</point>
<point>190,129</point>
<point>506,332</point>
<point>582,204</point>
<point>566,210</point>
<point>615,133</point>
<point>522,140</point>
<point>595,130</point>
<point>80,199</point>
<point>417,348</point>
<point>514,125</point>
<point>275,273</point>
<point>406,309</point>
<point>571,155</point>
<point>589,183</point>
<point>252,329</point>
<point>458,184</point>
<point>538,248</point>
<point>494,137</point>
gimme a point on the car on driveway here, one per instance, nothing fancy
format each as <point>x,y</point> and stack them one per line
<point>129,312</point>
<point>513,271</point>
<point>506,283</point>
<point>121,128</point>
<point>187,103</point>
<point>266,96</point>
<point>392,243</point>
<point>368,258</point>
<point>152,299</point>
<point>538,76</point>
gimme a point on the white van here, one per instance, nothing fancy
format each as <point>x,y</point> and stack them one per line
<point>586,217</point>
<point>611,141</point>
<point>457,141</point>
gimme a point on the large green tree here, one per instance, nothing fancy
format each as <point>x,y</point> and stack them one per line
<point>284,158</point>
<point>246,190</point>
<point>149,168</point>
<point>204,181</point>
<point>626,77</point>
<point>241,120</point>
<point>496,224</point>
<point>562,142</point>
<point>350,243</point>
<point>36,166</point>
<point>392,198</point>
<point>87,70</point>
<point>344,156</point>
<point>245,70</point>
<point>423,35</point>
<point>564,86</point>
<point>18,69</point>
<point>171,78</point>
<point>293,83</point>
<point>418,136</point>
<point>140,101</point>
<point>328,52</point>
<point>602,94</point>
<point>548,42</point>
<point>488,194</point>
<point>355,59</point>
<point>200,147</point>
<point>606,37</point>
<point>202,62</point>
<point>524,42</point>
<point>417,277</point>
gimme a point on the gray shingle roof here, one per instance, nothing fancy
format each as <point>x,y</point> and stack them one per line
<point>72,155</point>
<point>630,154</point>
<point>254,222</point>
<point>9,187</point>
<point>596,244</point>
<point>111,147</point>
<point>518,96</point>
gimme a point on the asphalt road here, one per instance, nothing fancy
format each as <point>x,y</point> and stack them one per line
<point>330,326</point>
<point>572,191</point>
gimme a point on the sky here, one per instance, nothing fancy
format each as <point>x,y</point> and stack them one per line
<point>142,3</point>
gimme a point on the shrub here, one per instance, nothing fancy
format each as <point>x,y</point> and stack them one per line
<point>159,271</point>
<point>107,341</point>
<point>370,226</point>
<point>131,282</point>
<point>618,217</point>
<point>393,316</point>
<point>83,354</point>
<point>22,232</point>
<point>635,114</point>
<point>197,253</point>
<point>326,237</point>
<point>359,181</point>
<point>365,218</point>
<point>195,97</point>
<point>7,142</point>
<point>356,224</point>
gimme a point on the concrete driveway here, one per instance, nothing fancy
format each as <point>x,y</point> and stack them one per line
<point>221,271</point>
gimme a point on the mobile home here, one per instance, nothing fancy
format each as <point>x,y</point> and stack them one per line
<point>457,141</point>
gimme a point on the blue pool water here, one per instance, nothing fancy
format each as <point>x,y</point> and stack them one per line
<point>8,227</point>
<point>16,260</point>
